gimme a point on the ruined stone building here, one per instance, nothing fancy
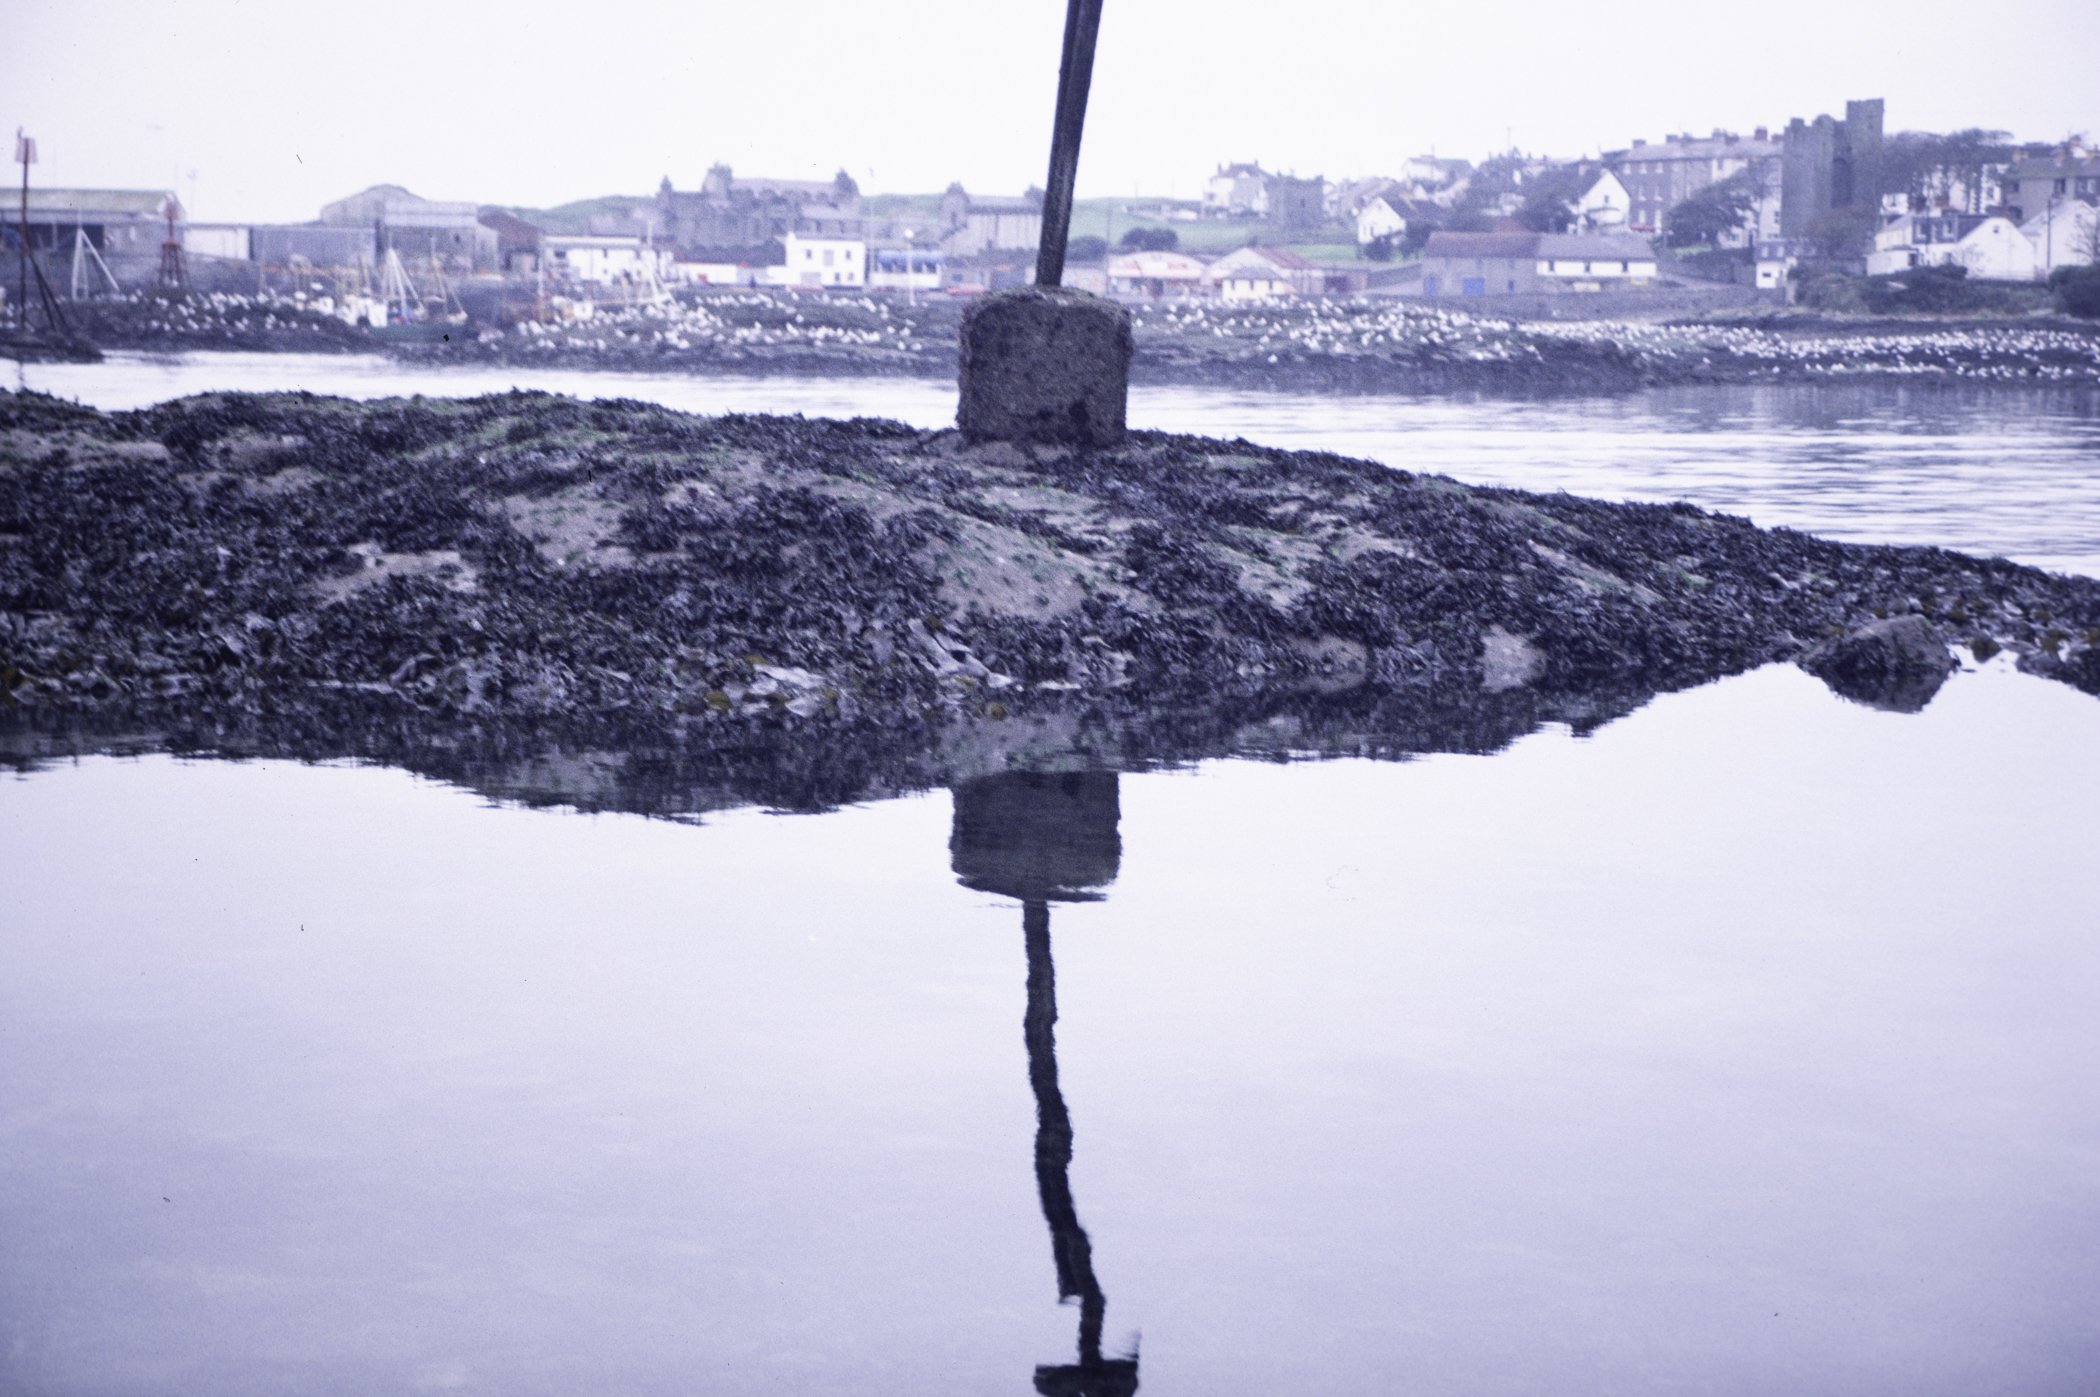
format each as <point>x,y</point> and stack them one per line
<point>1830,166</point>
<point>726,216</point>
<point>1297,205</point>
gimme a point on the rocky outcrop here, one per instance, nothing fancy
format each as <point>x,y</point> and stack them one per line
<point>1897,664</point>
<point>524,572</point>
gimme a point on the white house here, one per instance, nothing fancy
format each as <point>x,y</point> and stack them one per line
<point>714,274</point>
<point>600,259</point>
<point>1990,247</point>
<point>1378,219</point>
<point>1237,189</point>
<point>1604,206</point>
<point>2067,235</point>
<point>1252,282</point>
<point>1997,250</point>
<point>817,261</point>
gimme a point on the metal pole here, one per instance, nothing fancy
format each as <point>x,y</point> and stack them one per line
<point>22,301</point>
<point>1075,75</point>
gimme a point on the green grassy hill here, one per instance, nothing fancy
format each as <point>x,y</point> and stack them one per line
<point>574,218</point>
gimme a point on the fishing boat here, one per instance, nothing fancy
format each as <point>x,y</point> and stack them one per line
<point>413,316</point>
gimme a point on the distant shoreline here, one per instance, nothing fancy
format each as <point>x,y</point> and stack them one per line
<point>1369,346</point>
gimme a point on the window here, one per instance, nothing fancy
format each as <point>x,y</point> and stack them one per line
<point>827,256</point>
<point>2060,186</point>
<point>1512,284</point>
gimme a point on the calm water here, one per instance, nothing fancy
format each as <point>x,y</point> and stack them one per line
<point>2012,474</point>
<point>1741,1047</point>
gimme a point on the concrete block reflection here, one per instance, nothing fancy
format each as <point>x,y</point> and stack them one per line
<point>1042,838</point>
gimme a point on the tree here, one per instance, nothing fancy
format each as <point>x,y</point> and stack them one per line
<point>1710,214</point>
<point>1968,156</point>
<point>1937,288</point>
<point>1953,167</point>
<point>2080,289</point>
<point>1087,248</point>
<point>1149,240</point>
<point>1550,199</point>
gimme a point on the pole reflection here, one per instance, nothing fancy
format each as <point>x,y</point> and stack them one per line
<point>1043,838</point>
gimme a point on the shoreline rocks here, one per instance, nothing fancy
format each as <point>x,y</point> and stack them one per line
<point>524,571</point>
<point>1361,346</point>
<point>1897,664</point>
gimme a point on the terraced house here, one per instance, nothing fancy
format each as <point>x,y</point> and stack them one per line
<point>1513,264</point>
<point>2034,187</point>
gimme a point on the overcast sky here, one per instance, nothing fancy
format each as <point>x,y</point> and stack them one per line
<point>255,109</point>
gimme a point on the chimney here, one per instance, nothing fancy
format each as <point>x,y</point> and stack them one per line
<point>1761,134</point>
<point>1638,143</point>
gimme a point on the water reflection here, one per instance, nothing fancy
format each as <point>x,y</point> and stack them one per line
<point>1734,1048</point>
<point>665,766</point>
<point>1042,838</point>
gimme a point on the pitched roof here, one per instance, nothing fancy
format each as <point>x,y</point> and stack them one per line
<point>146,202</point>
<point>1004,203</point>
<point>1606,247</point>
<point>786,188</point>
<point>2044,169</point>
<point>1481,244</point>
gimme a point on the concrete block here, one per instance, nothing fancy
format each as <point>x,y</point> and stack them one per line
<point>1046,364</point>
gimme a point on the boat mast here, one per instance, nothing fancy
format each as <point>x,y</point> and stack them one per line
<point>25,155</point>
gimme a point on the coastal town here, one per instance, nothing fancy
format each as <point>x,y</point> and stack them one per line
<point>1831,213</point>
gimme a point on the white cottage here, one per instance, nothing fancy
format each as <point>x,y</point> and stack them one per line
<point>2067,235</point>
<point>1990,247</point>
<point>600,259</point>
<point>1378,219</point>
<point>1604,206</point>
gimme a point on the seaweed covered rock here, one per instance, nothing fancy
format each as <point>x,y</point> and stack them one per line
<point>1897,663</point>
<point>278,563</point>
